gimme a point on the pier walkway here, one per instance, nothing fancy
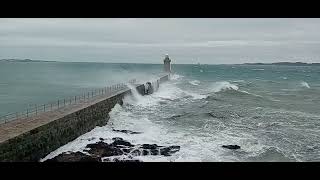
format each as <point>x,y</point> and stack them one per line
<point>24,124</point>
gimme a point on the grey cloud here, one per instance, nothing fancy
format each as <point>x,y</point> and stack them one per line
<point>147,40</point>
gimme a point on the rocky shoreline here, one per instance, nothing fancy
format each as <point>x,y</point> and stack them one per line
<point>119,150</point>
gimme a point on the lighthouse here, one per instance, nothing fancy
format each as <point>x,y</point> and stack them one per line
<point>167,65</point>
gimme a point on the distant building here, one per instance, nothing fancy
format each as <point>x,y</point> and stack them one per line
<point>167,65</point>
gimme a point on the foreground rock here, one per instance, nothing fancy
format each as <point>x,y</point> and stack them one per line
<point>126,131</point>
<point>74,157</point>
<point>118,147</point>
<point>231,146</point>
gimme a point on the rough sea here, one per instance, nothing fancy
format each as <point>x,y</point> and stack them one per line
<point>272,112</point>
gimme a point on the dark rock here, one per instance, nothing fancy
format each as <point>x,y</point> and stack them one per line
<point>231,146</point>
<point>145,152</point>
<point>149,146</point>
<point>117,139</point>
<point>126,150</point>
<point>90,139</point>
<point>101,139</point>
<point>74,157</point>
<point>121,142</point>
<point>126,131</point>
<point>102,149</point>
<point>155,152</point>
<point>136,152</point>
<point>116,148</point>
<point>167,151</point>
<point>125,160</point>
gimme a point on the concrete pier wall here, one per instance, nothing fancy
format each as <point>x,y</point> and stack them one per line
<point>40,141</point>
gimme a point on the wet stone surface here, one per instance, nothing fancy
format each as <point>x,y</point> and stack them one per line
<point>119,150</point>
<point>231,146</point>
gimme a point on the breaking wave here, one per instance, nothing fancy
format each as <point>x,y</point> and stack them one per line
<point>195,82</point>
<point>305,84</point>
<point>175,76</point>
<point>223,85</point>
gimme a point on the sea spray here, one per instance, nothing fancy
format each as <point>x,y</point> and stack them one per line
<point>134,92</point>
<point>155,85</point>
<point>175,76</point>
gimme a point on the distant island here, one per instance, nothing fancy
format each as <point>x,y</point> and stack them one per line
<point>23,60</point>
<point>286,64</point>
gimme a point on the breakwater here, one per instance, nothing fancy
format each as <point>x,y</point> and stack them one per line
<point>31,139</point>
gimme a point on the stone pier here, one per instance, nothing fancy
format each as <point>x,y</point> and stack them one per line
<point>31,139</point>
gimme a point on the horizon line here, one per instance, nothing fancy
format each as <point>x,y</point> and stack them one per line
<point>196,63</point>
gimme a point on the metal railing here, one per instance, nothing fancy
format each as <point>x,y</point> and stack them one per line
<point>83,98</point>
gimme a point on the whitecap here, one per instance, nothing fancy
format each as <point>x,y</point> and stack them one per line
<point>175,76</point>
<point>305,84</point>
<point>239,81</point>
<point>196,96</point>
<point>195,82</point>
<point>223,85</point>
<point>246,92</point>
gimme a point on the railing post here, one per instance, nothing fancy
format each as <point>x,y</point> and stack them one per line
<point>44,108</point>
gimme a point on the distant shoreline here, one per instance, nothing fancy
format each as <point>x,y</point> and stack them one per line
<point>23,60</point>
<point>285,64</point>
<point>276,63</point>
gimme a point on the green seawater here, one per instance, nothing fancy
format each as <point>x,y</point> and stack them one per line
<point>272,112</point>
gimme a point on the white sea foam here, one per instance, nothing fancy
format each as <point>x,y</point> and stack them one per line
<point>246,92</point>
<point>192,148</point>
<point>223,85</point>
<point>258,69</point>
<point>195,146</point>
<point>239,81</point>
<point>195,82</point>
<point>305,84</point>
<point>175,76</point>
<point>135,94</point>
<point>195,95</point>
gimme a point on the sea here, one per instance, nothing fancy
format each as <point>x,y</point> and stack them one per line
<point>271,111</point>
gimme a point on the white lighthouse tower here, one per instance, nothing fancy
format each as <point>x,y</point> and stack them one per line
<point>167,65</point>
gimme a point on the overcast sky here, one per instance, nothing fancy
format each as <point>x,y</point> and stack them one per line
<point>208,41</point>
